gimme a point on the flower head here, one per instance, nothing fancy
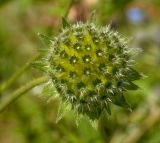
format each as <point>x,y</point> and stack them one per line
<point>90,67</point>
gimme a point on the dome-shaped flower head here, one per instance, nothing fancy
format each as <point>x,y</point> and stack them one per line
<point>90,67</point>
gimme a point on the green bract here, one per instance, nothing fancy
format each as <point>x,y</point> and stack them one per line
<point>90,67</point>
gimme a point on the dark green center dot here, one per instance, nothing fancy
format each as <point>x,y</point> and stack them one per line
<point>88,47</point>
<point>73,60</point>
<point>102,67</point>
<point>95,40</point>
<point>115,39</point>
<point>63,54</point>
<point>99,53</point>
<point>92,93</point>
<point>87,71</point>
<point>119,83</point>
<point>81,85</point>
<point>92,30</point>
<point>108,44</point>
<point>82,101</point>
<point>80,36</point>
<point>59,68</point>
<point>79,29</point>
<point>97,81</point>
<point>59,88</point>
<point>55,52</point>
<point>77,46</point>
<point>103,34</point>
<point>67,42</point>
<point>63,81</point>
<point>54,79</point>
<point>73,74</point>
<point>103,97</point>
<point>70,93</point>
<point>119,49</point>
<point>108,85</point>
<point>111,57</point>
<point>127,57</point>
<point>124,63</point>
<point>114,70</point>
<point>86,59</point>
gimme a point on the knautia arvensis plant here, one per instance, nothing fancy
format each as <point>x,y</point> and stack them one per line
<point>90,67</point>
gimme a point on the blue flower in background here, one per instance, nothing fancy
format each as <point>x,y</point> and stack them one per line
<point>135,15</point>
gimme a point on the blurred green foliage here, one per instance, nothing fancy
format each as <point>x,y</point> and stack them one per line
<point>31,119</point>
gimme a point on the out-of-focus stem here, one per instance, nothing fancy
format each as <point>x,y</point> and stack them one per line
<point>20,91</point>
<point>135,134</point>
<point>147,124</point>
<point>68,8</point>
<point>28,86</point>
<point>16,75</point>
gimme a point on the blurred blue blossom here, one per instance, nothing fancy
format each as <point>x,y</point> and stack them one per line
<point>135,15</point>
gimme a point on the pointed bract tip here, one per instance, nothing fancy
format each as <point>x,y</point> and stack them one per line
<point>65,24</point>
<point>93,16</point>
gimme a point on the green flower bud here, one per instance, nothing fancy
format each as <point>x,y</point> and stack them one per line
<point>90,67</point>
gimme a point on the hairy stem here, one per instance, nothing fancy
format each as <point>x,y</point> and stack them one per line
<point>20,91</point>
<point>14,77</point>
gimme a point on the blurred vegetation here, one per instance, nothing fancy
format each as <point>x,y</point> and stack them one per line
<point>31,119</point>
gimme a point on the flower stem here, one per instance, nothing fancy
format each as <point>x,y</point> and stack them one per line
<point>20,91</point>
<point>148,123</point>
<point>14,77</point>
<point>17,93</point>
<point>68,8</point>
<point>134,135</point>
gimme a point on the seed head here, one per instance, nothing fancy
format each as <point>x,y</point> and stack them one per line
<point>90,67</point>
